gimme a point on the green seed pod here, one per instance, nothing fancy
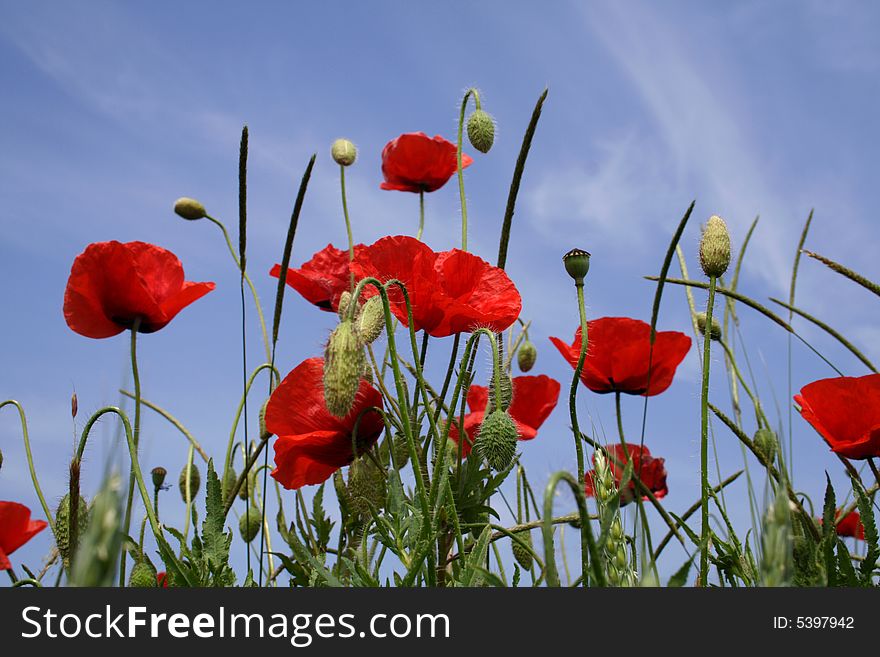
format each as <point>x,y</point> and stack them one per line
<point>766,443</point>
<point>343,152</point>
<point>506,393</point>
<point>577,264</point>
<point>371,320</point>
<point>344,363</point>
<point>481,130</point>
<point>715,247</point>
<point>496,440</point>
<point>366,487</point>
<point>158,475</point>
<point>249,524</point>
<point>195,480</point>
<point>522,555</point>
<point>715,333</point>
<point>526,356</point>
<point>344,301</point>
<point>143,576</point>
<point>248,487</point>
<point>229,479</point>
<point>62,526</point>
<point>190,209</point>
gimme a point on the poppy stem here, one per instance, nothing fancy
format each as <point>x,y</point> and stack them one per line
<point>347,222</point>
<point>704,440</point>
<point>619,416</point>
<point>476,94</point>
<point>421,215</point>
<point>126,523</point>
<point>572,398</point>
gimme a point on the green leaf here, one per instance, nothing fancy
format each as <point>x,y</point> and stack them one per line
<point>476,559</point>
<point>680,577</point>
<point>866,512</point>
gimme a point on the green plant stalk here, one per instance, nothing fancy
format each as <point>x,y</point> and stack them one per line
<point>575,381</point>
<point>126,523</point>
<point>593,562</point>
<point>459,170</point>
<point>421,214</point>
<point>704,440</point>
<point>347,222</point>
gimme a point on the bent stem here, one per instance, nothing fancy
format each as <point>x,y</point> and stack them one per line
<point>476,94</point>
<point>572,397</point>
<point>704,441</point>
<point>126,523</point>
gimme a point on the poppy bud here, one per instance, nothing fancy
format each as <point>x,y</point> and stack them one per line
<point>249,486</point>
<point>344,362</point>
<point>715,333</point>
<point>229,479</point>
<point>506,391</point>
<point>158,475</point>
<point>263,430</point>
<point>526,356</point>
<point>522,555</point>
<point>249,524</point>
<point>481,130</point>
<point>766,443</point>
<point>715,247</point>
<point>343,152</point>
<point>344,300</point>
<point>190,209</point>
<point>143,576</point>
<point>496,440</point>
<point>371,321</point>
<point>62,526</point>
<point>577,264</point>
<point>366,487</point>
<point>195,480</point>
<point>74,405</point>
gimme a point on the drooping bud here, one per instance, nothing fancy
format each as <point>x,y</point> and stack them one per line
<point>344,301</point>
<point>481,130</point>
<point>249,524</point>
<point>229,480</point>
<point>371,321</point>
<point>158,474</point>
<point>249,485</point>
<point>715,333</point>
<point>577,264</point>
<point>343,152</point>
<point>506,391</point>
<point>715,247</point>
<point>190,209</point>
<point>521,554</point>
<point>263,430</point>
<point>195,480</point>
<point>496,440</point>
<point>366,487</point>
<point>62,526</point>
<point>526,356</point>
<point>143,576</point>
<point>344,362</point>
<point>766,443</point>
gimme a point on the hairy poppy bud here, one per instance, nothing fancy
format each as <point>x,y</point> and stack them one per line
<point>481,130</point>
<point>715,247</point>
<point>506,392</point>
<point>522,555</point>
<point>343,152</point>
<point>143,576</point>
<point>344,362</point>
<point>158,475</point>
<point>263,430</point>
<point>249,524</point>
<point>766,443</point>
<point>526,356</point>
<point>190,209</point>
<point>496,440</point>
<point>371,321</point>
<point>344,301</point>
<point>715,333</point>
<point>62,526</point>
<point>249,485</point>
<point>1,460</point>
<point>74,405</point>
<point>229,479</point>
<point>195,480</point>
<point>366,487</point>
<point>577,264</point>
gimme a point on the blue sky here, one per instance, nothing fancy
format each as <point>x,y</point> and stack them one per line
<point>111,111</point>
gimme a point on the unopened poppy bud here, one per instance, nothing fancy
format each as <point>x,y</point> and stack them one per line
<point>62,526</point>
<point>190,209</point>
<point>343,152</point>
<point>521,554</point>
<point>526,356</point>
<point>506,391</point>
<point>577,264</point>
<point>371,321</point>
<point>715,247</point>
<point>143,576</point>
<point>249,524</point>
<point>715,333</point>
<point>195,480</point>
<point>229,479</point>
<point>366,487</point>
<point>481,130</point>
<point>249,485</point>
<point>158,475</point>
<point>74,405</point>
<point>496,440</point>
<point>766,443</point>
<point>263,430</point>
<point>1,460</point>
<point>344,362</point>
<point>344,301</point>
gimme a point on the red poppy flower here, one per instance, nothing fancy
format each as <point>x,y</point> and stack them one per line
<point>323,279</point>
<point>416,163</point>
<point>849,526</point>
<point>312,444</point>
<point>618,353</point>
<point>846,413</point>
<point>534,398</point>
<point>450,292</point>
<point>112,284</point>
<point>650,470</point>
<point>16,529</point>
